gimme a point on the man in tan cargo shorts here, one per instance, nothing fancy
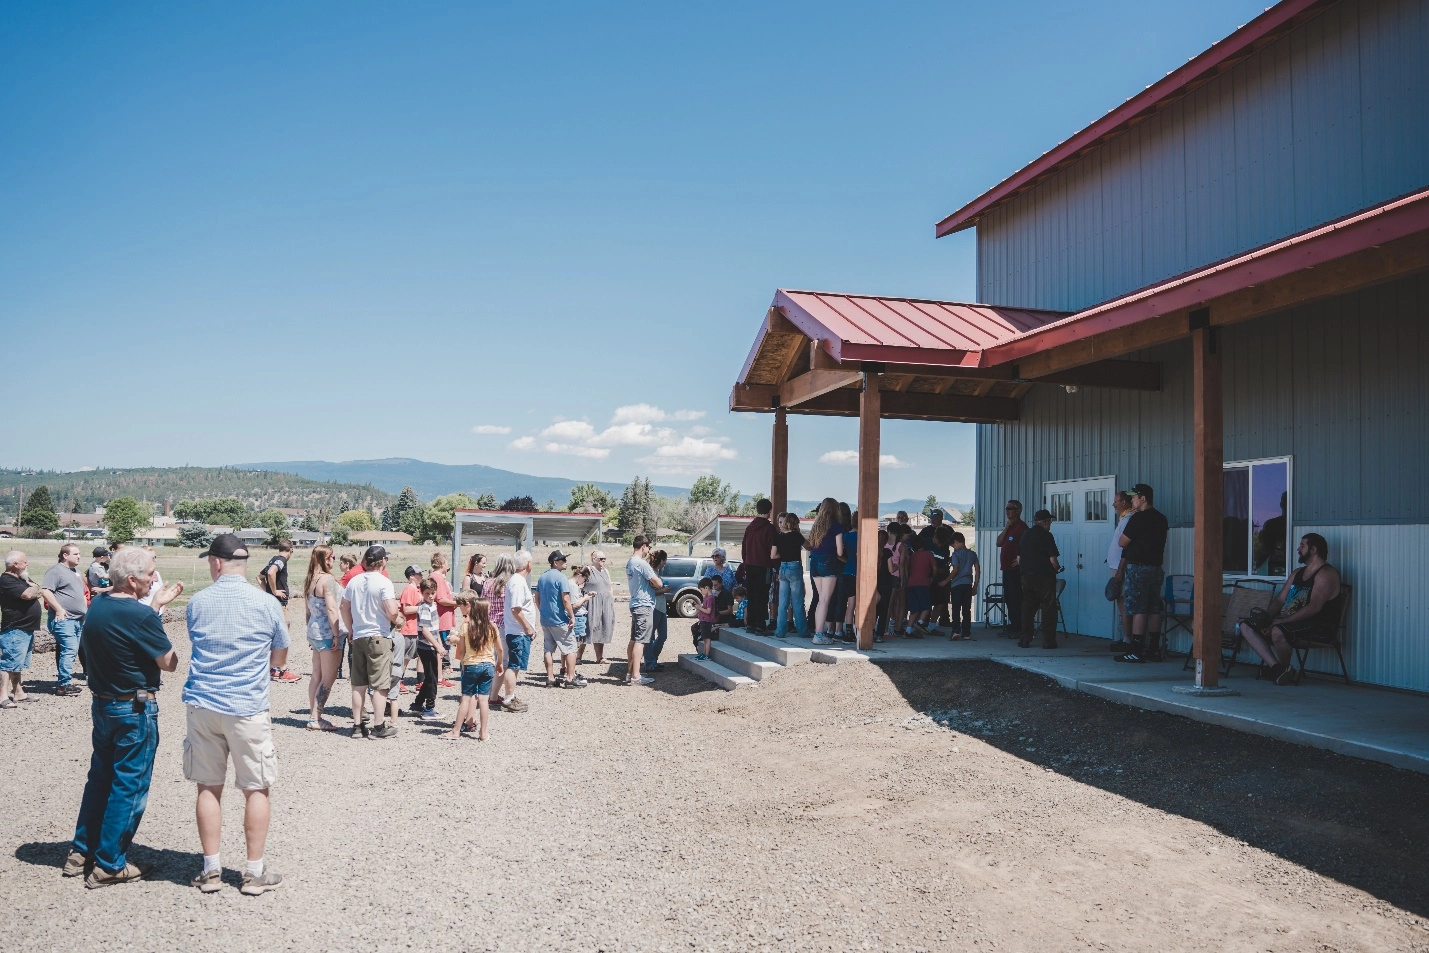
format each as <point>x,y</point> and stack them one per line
<point>369,610</point>
<point>238,632</point>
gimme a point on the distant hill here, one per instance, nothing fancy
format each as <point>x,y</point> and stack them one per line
<point>437,479</point>
<point>258,486</point>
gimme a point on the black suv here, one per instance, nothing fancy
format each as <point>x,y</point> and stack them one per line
<point>681,576</point>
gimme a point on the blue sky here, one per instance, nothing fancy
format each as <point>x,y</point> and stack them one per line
<point>353,230</point>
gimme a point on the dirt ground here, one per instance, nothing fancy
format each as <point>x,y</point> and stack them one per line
<point>950,806</point>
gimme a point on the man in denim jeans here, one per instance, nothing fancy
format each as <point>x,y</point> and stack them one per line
<point>125,648</point>
<point>64,591</point>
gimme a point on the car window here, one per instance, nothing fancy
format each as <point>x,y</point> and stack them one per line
<point>679,568</point>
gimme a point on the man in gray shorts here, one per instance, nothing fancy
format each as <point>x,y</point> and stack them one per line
<point>554,599</point>
<point>369,610</point>
<point>644,585</point>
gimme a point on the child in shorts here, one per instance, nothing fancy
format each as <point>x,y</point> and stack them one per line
<point>741,604</point>
<point>705,618</point>
<point>921,566</point>
<point>479,650</point>
<point>580,576</point>
<point>429,653</point>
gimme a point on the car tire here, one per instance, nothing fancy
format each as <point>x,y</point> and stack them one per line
<point>687,605</point>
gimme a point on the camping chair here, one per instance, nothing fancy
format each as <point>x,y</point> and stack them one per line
<point>1061,619</point>
<point>994,601</point>
<point>1179,594</point>
<point>1305,636</point>
<point>1244,596</point>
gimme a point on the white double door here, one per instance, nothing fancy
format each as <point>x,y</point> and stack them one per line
<point>1083,521</point>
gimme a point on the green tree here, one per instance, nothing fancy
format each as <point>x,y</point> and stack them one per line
<point>711,489</point>
<point>223,511</point>
<point>355,521</point>
<point>311,523</point>
<point>970,517</point>
<point>930,504</point>
<point>123,518</point>
<point>589,498</point>
<point>441,513</point>
<point>275,522</point>
<point>487,501</point>
<point>341,536</point>
<point>194,536</point>
<point>392,516</point>
<point>39,511</point>
<point>519,504</point>
<point>414,524</point>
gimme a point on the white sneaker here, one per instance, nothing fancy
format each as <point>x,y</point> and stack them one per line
<point>642,680</point>
<point>822,639</point>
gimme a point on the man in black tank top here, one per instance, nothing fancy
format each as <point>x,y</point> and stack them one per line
<point>1310,597</point>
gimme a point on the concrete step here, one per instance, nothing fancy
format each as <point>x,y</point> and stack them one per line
<point>745,663</point>
<point>712,671</point>
<point>829,656</point>
<point>775,650</point>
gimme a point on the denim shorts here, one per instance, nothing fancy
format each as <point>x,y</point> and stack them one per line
<point>320,645</point>
<point>1141,590</point>
<point>581,628</point>
<point>920,598</point>
<point>821,565</point>
<point>518,652</point>
<point>476,679</point>
<point>15,648</point>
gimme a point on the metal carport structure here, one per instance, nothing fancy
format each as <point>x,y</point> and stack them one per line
<point>723,528</point>
<point>501,527</point>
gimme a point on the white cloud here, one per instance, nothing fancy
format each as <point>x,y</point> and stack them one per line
<point>576,450</point>
<point>524,443</point>
<point>633,435</point>
<point>690,455</point>
<point>849,458</point>
<point>650,414</point>
<point>490,429</point>
<point>566,431</point>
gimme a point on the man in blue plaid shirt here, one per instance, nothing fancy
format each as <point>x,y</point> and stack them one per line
<point>238,633</point>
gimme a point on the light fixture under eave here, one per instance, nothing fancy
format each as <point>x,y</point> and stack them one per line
<point>1070,388</point>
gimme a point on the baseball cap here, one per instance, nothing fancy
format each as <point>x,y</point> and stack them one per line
<point>935,511</point>
<point>413,570</point>
<point>555,555</point>
<point>1041,515</point>
<point>100,551</point>
<point>374,554</point>
<point>227,546</point>
<point>1141,489</point>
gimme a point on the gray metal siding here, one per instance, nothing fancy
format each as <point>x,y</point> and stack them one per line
<point>1339,385</point>
<point>1325,121</point>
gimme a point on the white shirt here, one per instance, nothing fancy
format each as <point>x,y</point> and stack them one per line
<point>1113,552</point>
<point>365,596</point>
<point>518,596</point>
<point>154,588</point>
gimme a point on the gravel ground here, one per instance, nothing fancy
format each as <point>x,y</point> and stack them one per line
<point>958,805</point>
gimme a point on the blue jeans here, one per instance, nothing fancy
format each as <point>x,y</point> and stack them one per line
<point>118,787</point>
<point>660,631</point>
<point>791,593</point>
<point>66,633</point>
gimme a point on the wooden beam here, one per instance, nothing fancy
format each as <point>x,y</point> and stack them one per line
<point>1363,269</point>
<point>866,572</point>
<point>1128,375</point>
<point>779,463</point>
<point>895,405</point>
<point>1208,499</point>
<point>814,384</point>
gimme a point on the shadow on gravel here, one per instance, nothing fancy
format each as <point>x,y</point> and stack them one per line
<point>173,866</point>
<point>1362,823</point>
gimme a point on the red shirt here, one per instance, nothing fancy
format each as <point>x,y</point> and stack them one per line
<point>411,596</point>
<point>920,568</point>
<point>1007,553</point>
<point>757,543</point>
<point>446,617</point>
<point>350,575</point>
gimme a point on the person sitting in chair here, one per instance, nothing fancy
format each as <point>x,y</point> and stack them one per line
<point>1309,599</point>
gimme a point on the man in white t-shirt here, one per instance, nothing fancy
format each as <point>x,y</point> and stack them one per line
<point>1121,503</point>
<point>518,626</point>
<point>369,610</point>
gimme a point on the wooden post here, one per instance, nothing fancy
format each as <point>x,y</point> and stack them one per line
<point>779,475</point>
<point>866,589</point>
<point>1209,503</point>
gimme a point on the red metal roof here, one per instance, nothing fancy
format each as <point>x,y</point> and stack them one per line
<point>1221,56</point>
<point>900,330</point>
<point>1316,246</point>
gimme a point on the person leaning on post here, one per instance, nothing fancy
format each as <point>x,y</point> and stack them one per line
<point>238,633</point>
<point>125,647</point>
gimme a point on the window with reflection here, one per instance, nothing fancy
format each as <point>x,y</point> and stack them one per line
<point>1257,517</point>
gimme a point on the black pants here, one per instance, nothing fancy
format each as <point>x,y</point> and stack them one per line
<point>843,592</point>
<point>1012,592</point>
<point>1039,594</point>
<point>962,614</point>
<point>427,694</point>
<point>756,580</point>
<point>885,596</point>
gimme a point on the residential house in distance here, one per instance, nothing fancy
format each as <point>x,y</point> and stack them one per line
<point>383,537</point>
<point>157,536</point>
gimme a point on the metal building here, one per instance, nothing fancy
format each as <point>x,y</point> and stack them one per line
<point>1219,288</point>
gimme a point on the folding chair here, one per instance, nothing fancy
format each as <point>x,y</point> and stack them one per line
<point>1061,619</point>
<point>1303,637</point>
<point>1242,598</point>
<point>1179,594</point>
<point>993,601</point>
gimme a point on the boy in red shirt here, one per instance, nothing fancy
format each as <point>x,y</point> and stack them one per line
<point>921,566</point>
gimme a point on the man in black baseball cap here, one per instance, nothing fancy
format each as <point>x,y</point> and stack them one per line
<point>226,547</point>
<point>1143,551</point>
<point>1037,556</point>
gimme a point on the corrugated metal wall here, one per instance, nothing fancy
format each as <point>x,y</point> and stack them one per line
<point>1340,386</point>
<point>1327,120</point>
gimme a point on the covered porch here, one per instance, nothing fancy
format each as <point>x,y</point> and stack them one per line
<point>876,358</point>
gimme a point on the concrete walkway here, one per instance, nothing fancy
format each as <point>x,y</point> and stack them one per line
<point>1358,720</point>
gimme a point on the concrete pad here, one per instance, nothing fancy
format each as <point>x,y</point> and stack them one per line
<point>765,646</point>
<point>986,643</point>
<point>712,671</point>
<point>1358,720</point>
<point>745,663</point>
<point>837,656</point>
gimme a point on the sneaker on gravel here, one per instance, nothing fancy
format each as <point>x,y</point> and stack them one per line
<point>429,714</point>
<point>385,730</point>
<point>75,864</point>
<point>515,705</point>
<point>99,877</point>
<point>822,639</point>
<point>67,690</point>
<point>210,882</point>
<point>446,683</point>
<point>642,680</point>
<point>268,880</point>
<point>284,675</point>
<point>578,682</point>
